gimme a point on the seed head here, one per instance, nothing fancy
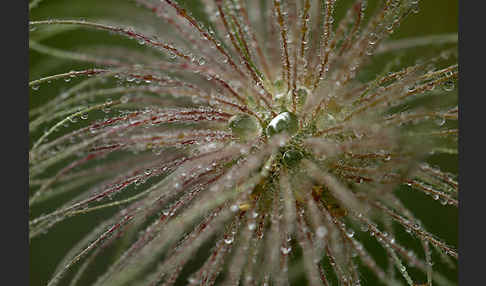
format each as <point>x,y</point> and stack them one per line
<point>254,145</point>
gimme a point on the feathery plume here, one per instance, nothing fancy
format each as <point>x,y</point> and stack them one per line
<point>252,146</point>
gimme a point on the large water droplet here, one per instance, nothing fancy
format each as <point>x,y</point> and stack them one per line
<point>292,157</point>
<point>244,127</point>
<point>284,122</point>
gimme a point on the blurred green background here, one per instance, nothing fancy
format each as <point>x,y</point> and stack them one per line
<point>435,17</point>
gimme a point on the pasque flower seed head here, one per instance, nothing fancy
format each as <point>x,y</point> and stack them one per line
<point>247,145</point>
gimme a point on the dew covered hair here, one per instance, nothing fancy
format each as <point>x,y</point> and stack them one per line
<point>243,141</point>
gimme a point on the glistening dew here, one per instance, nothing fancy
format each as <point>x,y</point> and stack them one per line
<point>257,143</point>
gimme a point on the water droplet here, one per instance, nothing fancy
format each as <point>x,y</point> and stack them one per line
<point>229,240</point>
<point>302,95</point>
<point>285,250</point>
<point>440,121</point>
<point>292,157</point>
<point>373,38</point>
<point>281,97</point>
<point>244,127</point>
<point>124,99</point>
<point>284,122</point>
<point>35,87</point>
<point>369,50</point>
<point>92,130</point>
<point>251,226</point>
<point>171,55</point>
<point>321,231</point>
<point>350,233</point>
<point>448,85</point>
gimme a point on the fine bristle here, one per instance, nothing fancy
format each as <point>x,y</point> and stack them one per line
<point>266,142</point>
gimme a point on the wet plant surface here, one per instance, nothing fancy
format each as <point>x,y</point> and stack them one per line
<point>254,142</point>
